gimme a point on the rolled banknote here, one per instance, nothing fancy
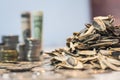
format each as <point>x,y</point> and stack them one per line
<point>38,25</point>
<point>26,25</point>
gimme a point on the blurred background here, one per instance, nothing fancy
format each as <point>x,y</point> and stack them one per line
<point>61,17</point>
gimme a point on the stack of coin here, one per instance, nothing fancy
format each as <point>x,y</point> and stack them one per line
<point>8,55</point>
<point>10,41</point>
<point>1,47</point>
<point>8,52</point>
<point>22,53</point>
<point>32,48</point>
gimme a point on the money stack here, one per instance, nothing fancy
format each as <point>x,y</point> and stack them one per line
<point>7,55</point>
<point>22,52</point>
<point>30,51</point>
<point>32,48</point>
<point>10,41</point>
<point>38,20</point>
<point>26,25</point>
<point>8,52</point>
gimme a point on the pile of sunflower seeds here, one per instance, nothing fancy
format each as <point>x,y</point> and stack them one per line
<point>95,47</point>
